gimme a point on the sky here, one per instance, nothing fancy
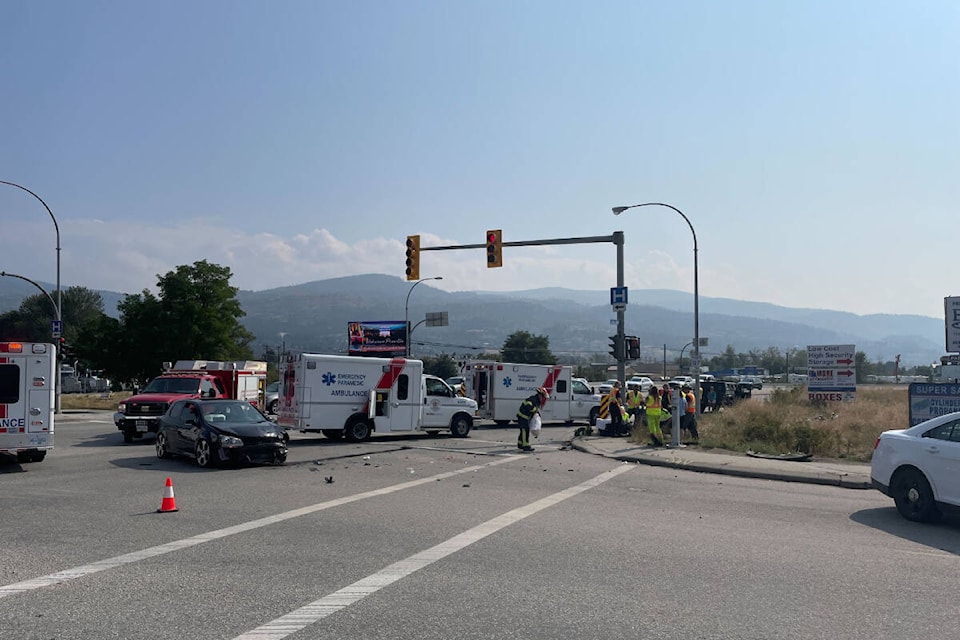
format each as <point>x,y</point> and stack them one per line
<point>813,145</point>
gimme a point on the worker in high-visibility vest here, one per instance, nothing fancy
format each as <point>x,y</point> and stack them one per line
<point>616,411</point>
<point>688,420</point>
<point>528,408</point>
<point>635,405</point>
<point>653,417</point>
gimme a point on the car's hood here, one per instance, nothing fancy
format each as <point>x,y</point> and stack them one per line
<point>248,430</point>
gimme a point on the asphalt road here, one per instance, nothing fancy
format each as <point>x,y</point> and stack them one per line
<point>438,538</point>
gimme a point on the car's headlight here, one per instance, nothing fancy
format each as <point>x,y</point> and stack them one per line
<point>230,442</point>
<point>122,407</point>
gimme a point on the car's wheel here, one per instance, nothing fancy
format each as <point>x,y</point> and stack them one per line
<point>914,497</point>
<point>460,426</point>
<point>594,414</point>
<point>129,435</point>
<point>280,459</point>
<point>204,454</point>
<point>162,446</point>
<point>358,431</point>
<point>272,407</point>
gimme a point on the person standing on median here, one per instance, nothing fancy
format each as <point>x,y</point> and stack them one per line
<point>616,411</point>
<point>688,420</point>
<point>635,404</point>
<point>528,408</point>
<point>653,417</point>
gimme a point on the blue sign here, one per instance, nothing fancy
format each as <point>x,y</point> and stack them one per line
<point>618,295</point>
<point>929,400</point>
<point>56,328</point>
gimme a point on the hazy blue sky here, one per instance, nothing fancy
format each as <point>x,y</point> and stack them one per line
<point>814,145</point>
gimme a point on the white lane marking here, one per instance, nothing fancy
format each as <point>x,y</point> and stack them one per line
<point>136,556</point>
<point>316,611</point>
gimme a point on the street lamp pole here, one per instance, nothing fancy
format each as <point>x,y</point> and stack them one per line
<point>283,348</point>
<point>406,314</point>
<point>59,306</point>
<point>696,294</point>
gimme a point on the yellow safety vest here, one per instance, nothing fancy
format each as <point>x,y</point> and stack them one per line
<point>653,404</point>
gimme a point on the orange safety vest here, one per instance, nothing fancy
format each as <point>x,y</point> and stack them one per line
<point>691,402</point>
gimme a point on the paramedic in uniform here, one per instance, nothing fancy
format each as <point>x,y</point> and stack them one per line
<point>528,408</point>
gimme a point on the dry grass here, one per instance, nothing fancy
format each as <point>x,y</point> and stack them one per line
<point>788,423</point>
<point>92,400</point>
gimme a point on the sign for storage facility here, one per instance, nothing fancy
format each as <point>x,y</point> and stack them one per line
<point>831,375</point>
<point>929,400</point>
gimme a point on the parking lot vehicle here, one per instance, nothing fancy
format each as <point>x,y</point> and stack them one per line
<point>644,382</point>
<point>606,386</point>
<point>240,380</point>
<point>754,381</point>
<point>679,381</point>
<point>500,387</point>
<point>28,376</point>
<point>220,431</point>
<point>919,467</point>
<point>353,396</point>
<point>271,397</point>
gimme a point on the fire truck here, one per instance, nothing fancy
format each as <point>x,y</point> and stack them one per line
<point>28,374</point>
<point>500,387</point>
<point>242,380</point>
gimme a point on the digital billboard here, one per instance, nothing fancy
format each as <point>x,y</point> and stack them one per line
<point>380,338</point>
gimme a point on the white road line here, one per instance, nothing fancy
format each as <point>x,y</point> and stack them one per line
<point>136,556</point>
<point>316,611</point>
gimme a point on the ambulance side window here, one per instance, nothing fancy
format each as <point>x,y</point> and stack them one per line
<point>561,386</point>
<point>403,386</point>
<point>9,383</point>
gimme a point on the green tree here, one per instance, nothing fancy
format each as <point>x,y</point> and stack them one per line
<point>523,347</point>
<point>31,322</point>
<point>442,366</point>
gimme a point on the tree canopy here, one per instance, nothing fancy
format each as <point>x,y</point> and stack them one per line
<point>524,347</point>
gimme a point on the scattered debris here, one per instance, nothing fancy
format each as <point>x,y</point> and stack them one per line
<point>793,457</point>
<point>329,479</point>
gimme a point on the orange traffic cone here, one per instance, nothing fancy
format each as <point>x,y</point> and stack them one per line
<point>168,503</point>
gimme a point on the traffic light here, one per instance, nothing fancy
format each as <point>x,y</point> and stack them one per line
<point>413,257</point>
<point>633,348</point>
<point>616,348</point>
<point>494,248</point>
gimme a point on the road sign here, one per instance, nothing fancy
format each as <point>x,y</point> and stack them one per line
<point>619,306</point>
<point>931,400</point>
<point>618,295</point>
<point>56,328</point>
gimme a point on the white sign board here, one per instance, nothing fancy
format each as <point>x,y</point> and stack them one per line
<point>831,375</point>
<point>951,309</point>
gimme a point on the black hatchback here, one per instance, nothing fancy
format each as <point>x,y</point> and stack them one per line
<point>220,431</point>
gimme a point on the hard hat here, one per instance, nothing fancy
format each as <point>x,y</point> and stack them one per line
<point>542,392</point>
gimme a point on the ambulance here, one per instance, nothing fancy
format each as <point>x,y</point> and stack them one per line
<point>28,373</point>
<point>353,397</point>
<point>500,387</point>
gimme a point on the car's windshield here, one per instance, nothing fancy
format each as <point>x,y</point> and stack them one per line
<point>231,412</point>
<point>172,385</point>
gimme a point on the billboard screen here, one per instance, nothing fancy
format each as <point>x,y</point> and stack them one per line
<point>380,338</point>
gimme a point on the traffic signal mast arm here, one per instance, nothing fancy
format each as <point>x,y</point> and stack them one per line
<point>528,243</point>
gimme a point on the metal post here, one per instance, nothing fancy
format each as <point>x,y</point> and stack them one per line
<point>621,361</point>
<point>59,305</point>
<point>696,296</point>
<point>406,314</point>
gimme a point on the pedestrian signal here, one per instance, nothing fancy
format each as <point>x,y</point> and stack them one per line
<point>413,257</point>
<point>633,347</point>
<point>494,248</point>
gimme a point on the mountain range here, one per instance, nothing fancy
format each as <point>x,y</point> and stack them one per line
<point>314,316</point>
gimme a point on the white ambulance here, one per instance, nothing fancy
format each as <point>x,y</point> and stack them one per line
<point>350,396</point>
<point>500,387</point>
<point>28,374</point>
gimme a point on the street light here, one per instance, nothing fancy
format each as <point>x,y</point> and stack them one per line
<point>58,308</point>
<point>406,314</point>
<point>696,293</point>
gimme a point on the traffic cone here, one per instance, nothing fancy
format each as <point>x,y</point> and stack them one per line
<point>168,503</point>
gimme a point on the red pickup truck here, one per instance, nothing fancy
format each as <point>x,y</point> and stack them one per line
<point>140,414</point>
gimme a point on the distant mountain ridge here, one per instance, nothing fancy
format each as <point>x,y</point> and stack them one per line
<point>314,316</point>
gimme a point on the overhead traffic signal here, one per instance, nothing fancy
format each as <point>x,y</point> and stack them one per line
<point>413,257</point>
<point>494,248</point>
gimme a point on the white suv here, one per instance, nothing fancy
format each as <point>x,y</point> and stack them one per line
<point>919,467</point>
<point>644,382</point>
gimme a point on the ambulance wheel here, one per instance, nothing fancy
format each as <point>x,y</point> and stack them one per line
<point>460,426</point>
<point>594,414</point>
<point>129,435</point>
<point>333,434</point>
<point>358,431</point>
